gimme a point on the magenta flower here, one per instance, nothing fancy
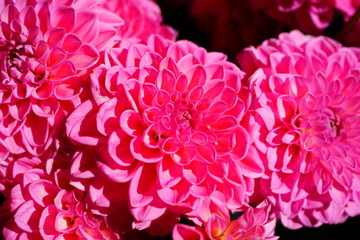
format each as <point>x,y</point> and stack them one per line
<point>45,206</point>
<point>310,16</point>
<point>254,223</point>
<point>141,19</point>
<point>45,49</point>
<point>306,125</point>
<point>165,116</point>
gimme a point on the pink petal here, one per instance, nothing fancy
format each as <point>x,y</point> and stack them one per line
<point>54,36</point>
<point>36,134</point>
<point>195,172</point>
<point>117,173</point>
<point>28,16</point>
<point>46,108</point>
<point>64,222</point>
<point>142,153</point>
<point>184,155</point>
<point>131,123</point>
<point>196,94</point>
<point>169,64</point>
<point>47,222</point>
<point>169,146</point>
<point>71,43</point>
<point>148,212</point>
<point>20,109</point>
<point>213,88</point>
<point>207,153</point>
<point>27,216</point>
<point>85,57</point>
<point>9,13</point>
<point>185,232</point>
<point>43,192</point>
<point>242,143</point>
<point>322,180</point>
<point>169,173</point>
<point>80,122</point>
<point>216,226</point>
<point>151,138</point>
<point>44,91</point>
<point>339,194</point>
<point>118,147</point>
<point>148,94</point>
<point>86,25</point>
<point>196,76</point>
<point>142,186</point>
<point>252,166</point>
<point>224,123</point>
<point>287,108</point>
<point>63,17</point>
<point>166,80</point>
<point>217,108</point>
<point>106,119</point>
<point>56,57</point>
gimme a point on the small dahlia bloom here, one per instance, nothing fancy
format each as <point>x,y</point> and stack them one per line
<point>141,19</point>
<point>45,206</point>
<point>253,224</point>
<point>45,49</point>
<point>310,16</point>
<point>306,126</point>
<point>165,117</point>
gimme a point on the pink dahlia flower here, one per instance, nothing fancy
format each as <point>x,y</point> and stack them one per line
<point>45,49</point>
<point>306,125</point>
<point>253,224</point>
<point>141,19</point>
<point>45,206</point>
<point>165,117</point>
<point>310,16</point>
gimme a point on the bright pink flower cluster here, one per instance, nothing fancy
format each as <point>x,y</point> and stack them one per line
<point>306,125</point>
<point>46,47</point>
<point>44,206</point>
<point>112,129</point>
<point>96,96</point>
<point>165,117</point>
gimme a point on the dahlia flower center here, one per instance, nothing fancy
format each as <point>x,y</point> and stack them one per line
<point>324,127</point>
<point>14,60</point>
<point>176,117</point>
<point>183,118</point>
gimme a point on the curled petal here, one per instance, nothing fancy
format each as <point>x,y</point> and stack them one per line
<point>142,153</point>
<point>85,57</point>
<point>184,232</point>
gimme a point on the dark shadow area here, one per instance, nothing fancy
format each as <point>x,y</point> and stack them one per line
<point>347,230</point>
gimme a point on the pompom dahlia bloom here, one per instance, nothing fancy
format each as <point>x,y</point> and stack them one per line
<point>310,16</point>
<point>45,49</point>
<point>253,224</point>
<point>165,116</point>
<point>306,125</point>
<point>44,206</point>
<point>141,19</point>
